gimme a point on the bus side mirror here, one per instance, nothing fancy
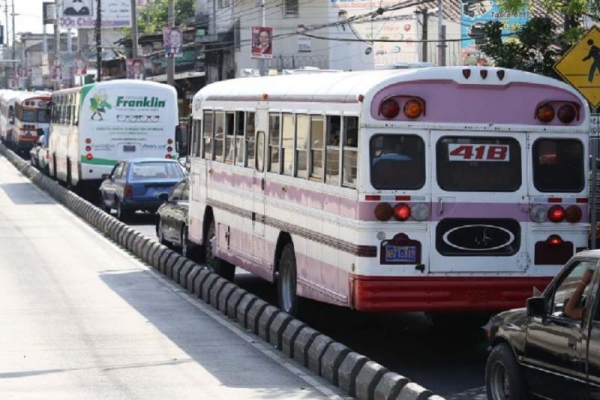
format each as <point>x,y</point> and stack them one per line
<point>536,306</point>
<point>178,135</point>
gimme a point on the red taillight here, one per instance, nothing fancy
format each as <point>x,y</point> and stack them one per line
<point>413,109</point>
<point>556,214</point>
<point>389,108</point>
<point>554,240</point>
<point>383,212</point>
<point>573,214</point>
<point>567,113</point>
<point>89,157</point>
<point>545,113</point>
<point>401,212</point>
<point>88,148</point>
<point>372,197</point>
<point>127,191</point>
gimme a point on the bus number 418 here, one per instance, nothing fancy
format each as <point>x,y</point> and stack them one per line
<point>477,152</point>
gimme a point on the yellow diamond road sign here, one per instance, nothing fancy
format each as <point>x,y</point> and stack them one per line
<point>580,66</point>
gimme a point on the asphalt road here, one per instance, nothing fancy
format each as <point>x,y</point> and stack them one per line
<point>83,319</point>
<point>450,360</point>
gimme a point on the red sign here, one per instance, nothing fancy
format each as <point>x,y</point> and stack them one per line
<point>478,152</point>
<point>262,43</point>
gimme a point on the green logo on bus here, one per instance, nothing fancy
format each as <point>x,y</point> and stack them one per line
<point>141,102</point>
<point>99,104</point>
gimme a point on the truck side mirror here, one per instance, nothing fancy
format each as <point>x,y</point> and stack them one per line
<point>536,306</point>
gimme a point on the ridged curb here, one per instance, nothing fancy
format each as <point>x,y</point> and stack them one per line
<point>352,372</point>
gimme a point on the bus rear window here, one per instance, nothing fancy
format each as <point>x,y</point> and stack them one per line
<point>478,164</point>
<point>41,116</point>
<point>397,162</point>
<point>558,165</point>
<point>28,116</point>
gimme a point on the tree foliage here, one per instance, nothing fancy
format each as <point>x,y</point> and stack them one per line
<point>152,19</point>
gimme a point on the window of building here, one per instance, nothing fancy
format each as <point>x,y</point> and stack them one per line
<point>207,130</point>
<point>302,135</point>
<point>287,144</point>
<point>224,3</point>
<point>219,135</point>
<point>250,139</point>
<point>237,34</point>
<point>317,147</point>
<point>350,152</point>
<point>290,9</point>
<point>274,136</point>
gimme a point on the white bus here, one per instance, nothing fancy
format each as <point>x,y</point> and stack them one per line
<point>96,125</point>
<point>430,189</point>
<point>7,115</point>
<point>31,119</point>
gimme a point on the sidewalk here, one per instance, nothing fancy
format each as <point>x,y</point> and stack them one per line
<point>83,319</point>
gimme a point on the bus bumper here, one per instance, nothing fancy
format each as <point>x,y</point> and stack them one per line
<point>370,293</point>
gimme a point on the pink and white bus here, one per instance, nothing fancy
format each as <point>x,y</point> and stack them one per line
<point>431,189</point>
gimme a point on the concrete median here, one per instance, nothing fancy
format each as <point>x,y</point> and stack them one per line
<point>350,371</point>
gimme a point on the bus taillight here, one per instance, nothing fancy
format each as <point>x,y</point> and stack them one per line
<point>554,240</point>
<point>389,108</point>
<point>88,148</point>
<point>413,109</point>
<point>538,213</point>
<point>89,157</point>
<point>573,214</point>
<point>545,113</point>
<point>170,141</point>
<point>383,212</point>
<point>556,214</point>
<point>420,211</point>
<point>401,212</point>
<point>88,141</point>
<point>168,157</point>
<point>567,113</point>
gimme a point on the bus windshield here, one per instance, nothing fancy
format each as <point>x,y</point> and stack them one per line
<point>28,115</point>
<point>558,165</point>
<point>41,116</point>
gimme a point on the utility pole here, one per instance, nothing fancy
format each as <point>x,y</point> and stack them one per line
<point>171,58</point>
<point>424,36</point>
<point>14,50</point>
<point>261,63</point>
<point>99,41</point>
<point>441,38</point>
<point>56,42</point>
<point>6,38</point>
<point>134,30</point>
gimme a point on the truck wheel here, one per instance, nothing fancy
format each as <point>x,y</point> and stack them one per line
<point>502,376</point>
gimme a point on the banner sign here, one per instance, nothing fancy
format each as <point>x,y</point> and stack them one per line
<point>81,14</point>
<point>173,41</point>
<point>262,44</point>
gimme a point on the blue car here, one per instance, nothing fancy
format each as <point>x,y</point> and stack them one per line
<point>137,184</point>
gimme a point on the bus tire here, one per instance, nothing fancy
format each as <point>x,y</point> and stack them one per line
<point>214,263</point>
<point>287,281</point>
<point>502,376</point>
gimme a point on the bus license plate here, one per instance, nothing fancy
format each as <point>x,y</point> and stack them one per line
<point>129,148</point>
<point>400,253</point>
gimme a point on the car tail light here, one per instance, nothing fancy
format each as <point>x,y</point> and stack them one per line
<point>567,113</point>
<point>538,213</point>
<point>413,109</point>
<point>127,191</point>
<point>383,211</point>
<point>401,212</point>
<point>389,108</point>
<point>89,157</point>
<point>168,157</point>
<point>556,214</point>
<point>420,211</point>
<point>554,240</point>
<point>573,214</point>
<point>545,113</point>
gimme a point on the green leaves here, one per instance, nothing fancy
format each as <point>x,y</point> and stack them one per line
<point>152,19</point>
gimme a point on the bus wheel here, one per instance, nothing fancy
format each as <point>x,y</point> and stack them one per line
<point>287,281</point>
<point>215,264</point>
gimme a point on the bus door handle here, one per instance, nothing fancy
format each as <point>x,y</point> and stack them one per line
<point>441,201</point>
<point>262,183</point>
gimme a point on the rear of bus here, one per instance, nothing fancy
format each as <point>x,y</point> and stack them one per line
<point>474,185</point>
<point>31,121</point>
<point>125,119</point>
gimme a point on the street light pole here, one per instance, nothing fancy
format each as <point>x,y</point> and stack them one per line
<point>99,41</point>
<point>134,30</point>
<point>56,43</point>
<point>171,58</point>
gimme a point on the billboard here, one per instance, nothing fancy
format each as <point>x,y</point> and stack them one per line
<point>79,67</point>
<point>135,68</point>
<point>474,15</point>
<point>81,14</point>
<point>262,43</point>
<point>173,41</point>
<point>49,12</point>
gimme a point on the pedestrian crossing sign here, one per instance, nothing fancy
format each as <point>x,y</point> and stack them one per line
<point>580,66</point>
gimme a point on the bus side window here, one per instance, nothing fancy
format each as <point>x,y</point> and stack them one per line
<point>274,134</point>
<point>219,135</point>
<point>230,127</point>
<point>287,145</point>
<point>239,137</point>
<point>302,134</point>
<point>207,132</point>
<point>317,147</point>
<point>250,139</point>
<point>350,152</point>
<point>260,151</point>
<point>332,156</point>
<point>197,132</point>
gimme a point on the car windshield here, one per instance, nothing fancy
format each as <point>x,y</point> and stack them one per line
<point>156,170</point>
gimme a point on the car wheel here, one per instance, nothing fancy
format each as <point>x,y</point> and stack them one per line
<point>123,214</point>
<point>215,264</point>
<point>502,376</point>
<point>184,243</point>
<point>101,203</point>
<point>287,297</point>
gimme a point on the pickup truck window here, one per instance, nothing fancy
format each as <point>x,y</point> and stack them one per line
<point>567,286</point>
